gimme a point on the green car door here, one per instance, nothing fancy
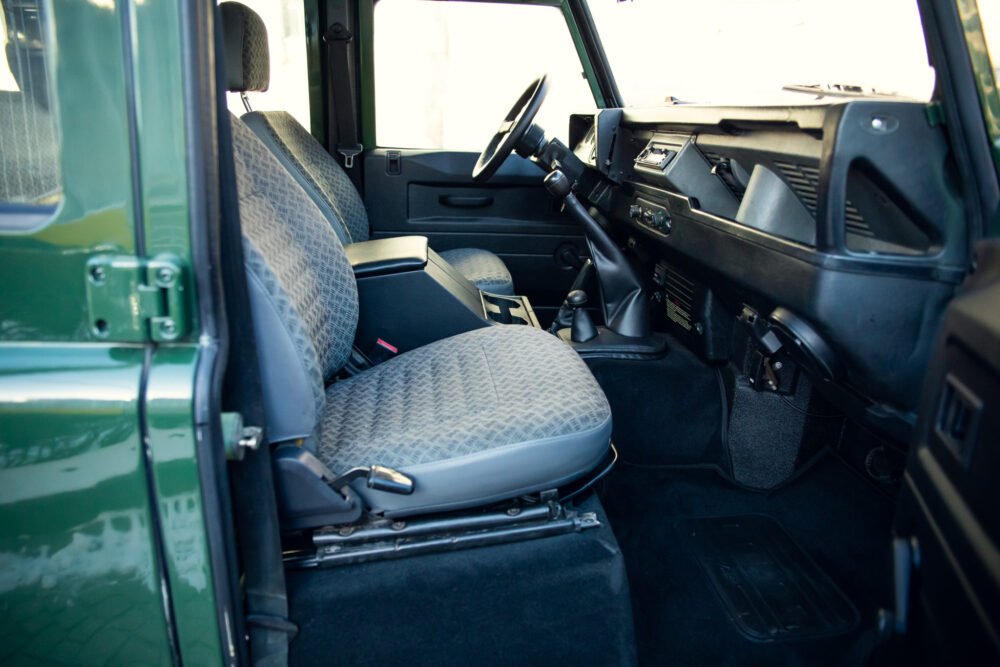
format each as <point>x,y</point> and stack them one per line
<point>104,545</point>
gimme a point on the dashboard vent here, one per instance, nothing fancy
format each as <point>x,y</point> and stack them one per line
<point>680,290</point>
<point>856,222</point>
<point>804,180</point>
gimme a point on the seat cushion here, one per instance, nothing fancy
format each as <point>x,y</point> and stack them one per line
<point>483,416</point>
<point>481,267</point>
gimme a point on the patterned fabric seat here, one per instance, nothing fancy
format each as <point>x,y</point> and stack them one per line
<point>316,170</point>
<point>484,416</point>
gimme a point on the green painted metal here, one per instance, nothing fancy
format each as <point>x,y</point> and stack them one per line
<point>581,52</point>
<point>94,215</point>
<point>132,299</point>
<point>80,582</point>
<point>162,147</point>
<point>102,540</point>
<point>170,423</point>
<point>986,79</point>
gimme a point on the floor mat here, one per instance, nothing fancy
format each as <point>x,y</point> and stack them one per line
<point>837,518</point>
<point>770,588</point>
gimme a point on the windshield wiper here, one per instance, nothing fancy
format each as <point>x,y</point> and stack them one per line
<point>836,90</point>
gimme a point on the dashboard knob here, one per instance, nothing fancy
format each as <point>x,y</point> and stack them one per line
<point>634,211</point>
<point>661,220</point>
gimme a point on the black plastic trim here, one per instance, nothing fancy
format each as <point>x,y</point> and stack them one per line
<point>201,103</point>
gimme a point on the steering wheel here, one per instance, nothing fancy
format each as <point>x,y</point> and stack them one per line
<point>511,130</point>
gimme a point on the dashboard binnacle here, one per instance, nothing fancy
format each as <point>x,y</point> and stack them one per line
<point>838,227</point>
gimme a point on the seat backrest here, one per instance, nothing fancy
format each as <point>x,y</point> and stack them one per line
<point>248,70</point>
<point>315,170</point>
<point>302,289</point>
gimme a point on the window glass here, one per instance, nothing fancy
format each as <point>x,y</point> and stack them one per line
<point>29,157</point>
<point>286,40</point>
<point>747,52</point>
<point>446,73</point>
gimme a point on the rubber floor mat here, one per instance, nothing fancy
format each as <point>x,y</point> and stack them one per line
<point>771,589</point>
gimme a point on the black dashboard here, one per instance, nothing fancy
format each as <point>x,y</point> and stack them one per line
<point>839,226</point>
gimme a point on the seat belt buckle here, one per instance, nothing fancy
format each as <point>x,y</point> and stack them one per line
<point>349,153</point>
<point>382,351</point>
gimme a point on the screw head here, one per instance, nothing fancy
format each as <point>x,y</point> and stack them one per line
<point>164,276</point>
<point>398,525</point>
<point>513,511</point>
<point>168,327</point>
<point>98,274</point>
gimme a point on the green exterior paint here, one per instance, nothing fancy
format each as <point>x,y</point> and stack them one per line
<point>171,431</point>
<point>581,52</point>
<point>94,215</point>
<point>79,578</point>
<point>102,540</point>
<point>986,80</point>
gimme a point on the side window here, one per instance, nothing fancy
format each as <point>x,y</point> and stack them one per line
<point>286,41</point>
<point>29,155</point>
<point>447,72</point>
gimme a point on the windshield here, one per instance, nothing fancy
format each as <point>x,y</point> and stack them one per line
<point>749,52</point>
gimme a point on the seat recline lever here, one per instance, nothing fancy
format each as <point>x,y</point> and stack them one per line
<point>379,478</point>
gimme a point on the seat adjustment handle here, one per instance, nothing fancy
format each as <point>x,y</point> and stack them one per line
<point>377,477</point>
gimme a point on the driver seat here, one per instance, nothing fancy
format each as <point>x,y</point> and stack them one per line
<point>248,69</point>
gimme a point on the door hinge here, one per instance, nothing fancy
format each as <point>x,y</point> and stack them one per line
<point>131,299</point>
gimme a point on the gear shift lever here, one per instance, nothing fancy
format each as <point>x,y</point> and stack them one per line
<point>622,298</point>
<point>583,328</point>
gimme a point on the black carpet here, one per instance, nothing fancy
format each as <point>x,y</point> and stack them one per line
<point>770,588</point>
<point>665,411</point>
<point>839,520</point>
<point>553,601</point>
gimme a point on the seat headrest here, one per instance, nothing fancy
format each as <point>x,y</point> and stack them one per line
<point>248,63</point>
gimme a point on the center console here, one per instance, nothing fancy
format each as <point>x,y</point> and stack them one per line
<point>410,296</point>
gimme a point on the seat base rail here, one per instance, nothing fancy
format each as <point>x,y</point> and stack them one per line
<point>385,539</point>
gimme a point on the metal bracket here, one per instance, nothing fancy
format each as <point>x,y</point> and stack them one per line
<point>130,299</point>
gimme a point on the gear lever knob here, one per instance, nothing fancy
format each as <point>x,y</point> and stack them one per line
<point>577,298</point>
<point>557,184</point>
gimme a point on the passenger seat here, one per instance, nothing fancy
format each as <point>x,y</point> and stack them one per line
<point>481,417</point>
<point>248,69</point>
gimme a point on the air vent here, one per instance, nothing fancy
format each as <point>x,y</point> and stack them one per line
<point>856,222</point>
<point>680,299</point>
<point>804,180</point>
